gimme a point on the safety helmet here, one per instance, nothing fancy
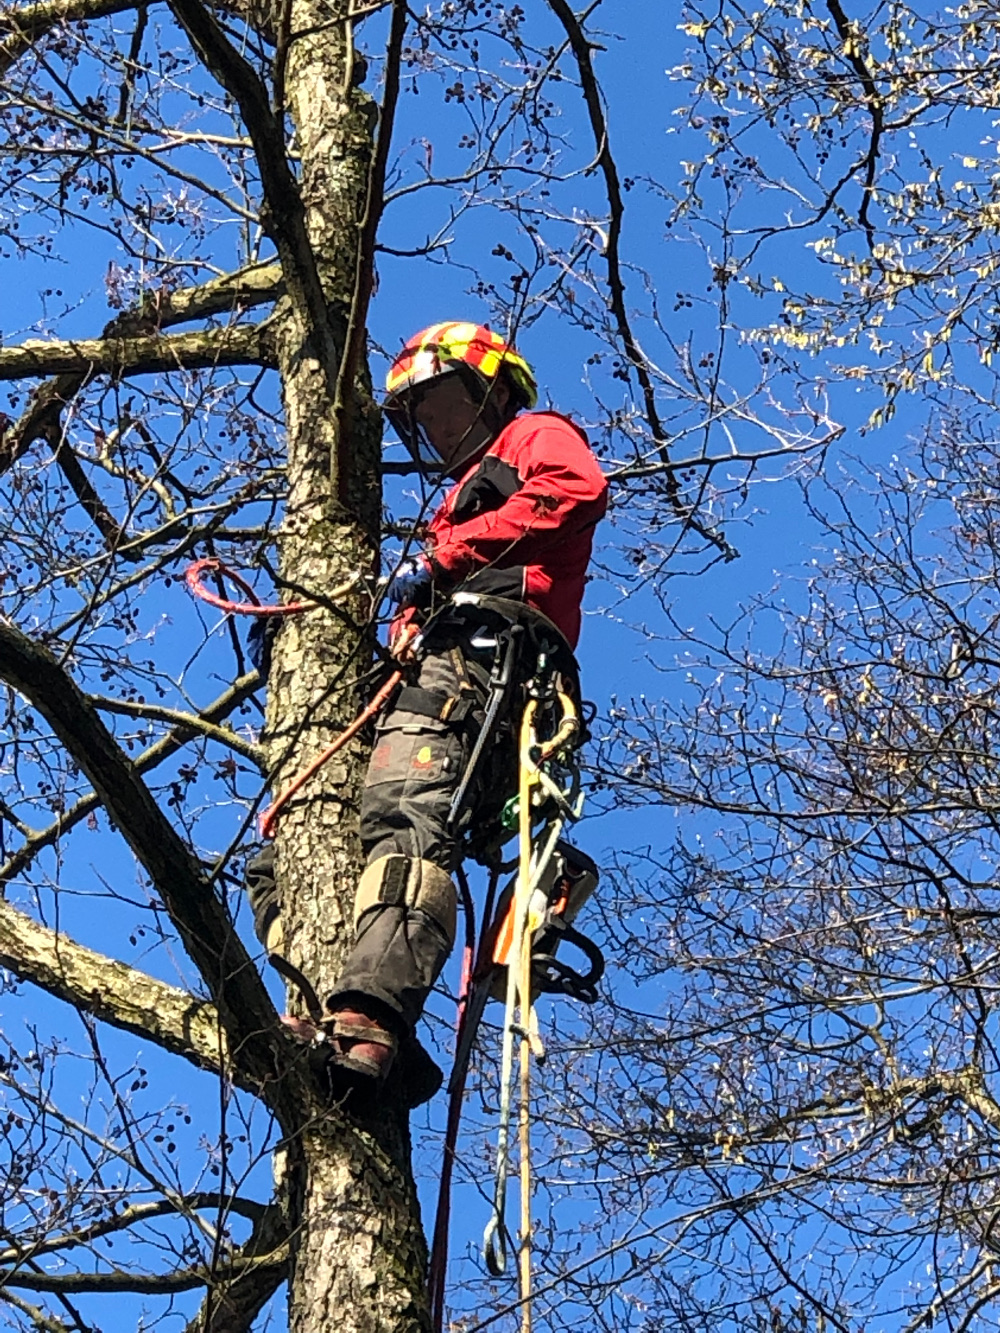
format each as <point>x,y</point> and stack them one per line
<point>471,350</point>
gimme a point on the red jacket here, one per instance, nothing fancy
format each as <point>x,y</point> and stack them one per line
<point>520,522</point>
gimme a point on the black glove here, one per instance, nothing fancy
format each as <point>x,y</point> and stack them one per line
<point>260,641</point>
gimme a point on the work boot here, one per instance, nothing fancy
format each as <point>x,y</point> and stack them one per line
<point>367,1063</point>
<point>360,1047</point>
<point>351,1053</point>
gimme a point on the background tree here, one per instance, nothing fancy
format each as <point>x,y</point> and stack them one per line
<point>821,1107</point>
<point>806,1087</point>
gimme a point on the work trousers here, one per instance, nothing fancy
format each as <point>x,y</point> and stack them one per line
<point>412,833</point>
<point>406,905</point>
<point>418,762</point>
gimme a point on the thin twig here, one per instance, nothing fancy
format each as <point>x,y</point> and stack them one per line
<point>364,276</point>
<point>581,48</point>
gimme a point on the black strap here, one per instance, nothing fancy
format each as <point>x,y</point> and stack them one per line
<point>395,878</point>
<point>435,703</point>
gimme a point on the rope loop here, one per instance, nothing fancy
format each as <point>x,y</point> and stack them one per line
<point>253,606</point>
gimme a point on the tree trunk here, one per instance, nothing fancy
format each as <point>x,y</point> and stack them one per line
<point>359,1261</point>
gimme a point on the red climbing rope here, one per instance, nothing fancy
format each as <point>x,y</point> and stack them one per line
<point>270,815</point>
<point>252,607</point>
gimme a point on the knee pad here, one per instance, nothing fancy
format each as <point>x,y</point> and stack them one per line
<point>406,881</point>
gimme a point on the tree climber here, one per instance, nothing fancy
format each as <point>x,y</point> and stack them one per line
<point>517,524</point>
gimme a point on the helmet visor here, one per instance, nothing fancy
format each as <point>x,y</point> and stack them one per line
<point>402,410</point>
<point>403,419</point>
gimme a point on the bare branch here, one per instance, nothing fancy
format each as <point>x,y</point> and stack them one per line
<point>40,1318</point>
<point>190,723</point>
<point>249,287</point>
<point>238,1285</point>
<point>243,344</point>
<point>850,34</point>
<point>283,210</point>
<point>27,24</point>
<point>156,754</point>
<point>231,1306</point>
<point>90,501</point>
<point>201,919</point>
<point>112,991</point>
<point>118,1279</point>
<point>581,48</point>
<point>133,1214</point>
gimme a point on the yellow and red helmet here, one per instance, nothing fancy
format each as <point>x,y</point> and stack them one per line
<point>446,349</point>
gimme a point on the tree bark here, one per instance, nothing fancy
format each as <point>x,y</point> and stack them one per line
<point>359,1257</point>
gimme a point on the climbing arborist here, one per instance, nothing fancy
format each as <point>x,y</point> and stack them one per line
<point>516,525</point>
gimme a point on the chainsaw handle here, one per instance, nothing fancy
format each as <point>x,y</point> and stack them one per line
<point>557,978</point>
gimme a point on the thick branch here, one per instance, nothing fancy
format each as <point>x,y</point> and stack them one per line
<point>283,209</point>
<point>112,991</point>
<point>162,749</point>
<point>851,35</point>
<point>155,1284</point>
<point>248,287</point>
<point>27,24</point>
<point>202,921</point>
<point>243,344</point>
<point>253,286</point>
<point>41,1319</point>
<point>238,1286</point>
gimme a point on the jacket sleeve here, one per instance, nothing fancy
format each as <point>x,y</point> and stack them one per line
<point>563,491</point>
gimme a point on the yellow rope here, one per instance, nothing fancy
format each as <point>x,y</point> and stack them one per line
<point>525,923</point>
<point>527,779</point>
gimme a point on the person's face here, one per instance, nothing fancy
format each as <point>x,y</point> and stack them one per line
<point>454,422</point>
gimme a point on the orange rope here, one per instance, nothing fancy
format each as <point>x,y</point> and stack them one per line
<point>269,816</point>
